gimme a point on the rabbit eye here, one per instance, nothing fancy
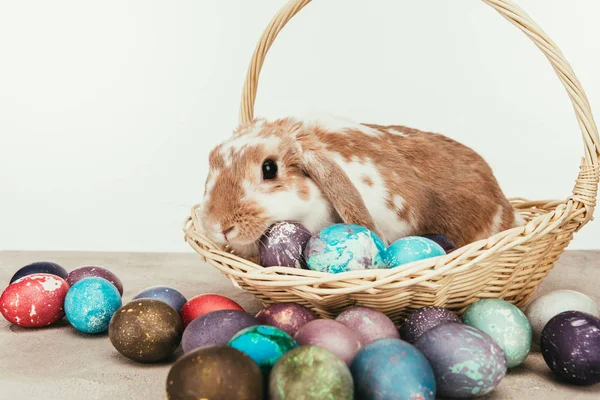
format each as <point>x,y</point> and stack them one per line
<point>269,169</point>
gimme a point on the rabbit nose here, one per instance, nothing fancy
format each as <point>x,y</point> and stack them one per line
<point>228,231</point>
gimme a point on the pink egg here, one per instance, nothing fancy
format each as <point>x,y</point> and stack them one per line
<point>331,335</point>
<point>369,324</point>
<point>34,300</point>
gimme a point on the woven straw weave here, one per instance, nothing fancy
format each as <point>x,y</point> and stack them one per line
<point>509,265</point>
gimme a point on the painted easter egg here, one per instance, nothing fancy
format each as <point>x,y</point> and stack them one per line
<point>85,272</point>
<point>283,245</point>
<point>165,294</point>
<point>505,323</point>
<point>215,372</point>
<point>467,363</point>
<point>570,345</point>
<point>215,328</point>
<point>412,248</point>
<point>264,344</point>
<point>34,301</point>
<point>205,303</point>
<point>368,324</point>
<point>420,321</point>
<point>332,335</point>
<point>446,244</point>
<point>146,330</point>
<point>310,373</point>
<point>288,317</point>
<point>40,267</point>
<point>91,303</point>
<point>545,307</point>
<point>342,247</point>
<point>392,369</point>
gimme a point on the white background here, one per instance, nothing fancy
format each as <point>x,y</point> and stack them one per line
<point>109,109</point>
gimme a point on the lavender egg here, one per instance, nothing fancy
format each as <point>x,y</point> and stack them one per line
<point>571,347</point>
<point>288,317</point>
<point>424,319</point>
<point>166,294</point>
<point>215,328</point>
<point>466,362</point>
<point>90,271</point>
<point>331,335</point>
<point>369,324</point>
<point>283,245</point>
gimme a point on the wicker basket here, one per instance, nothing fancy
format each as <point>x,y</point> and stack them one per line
<point>509,265</point>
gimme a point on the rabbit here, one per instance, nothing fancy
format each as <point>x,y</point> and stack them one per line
<point>393,180</point>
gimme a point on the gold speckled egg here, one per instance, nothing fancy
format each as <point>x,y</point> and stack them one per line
<point>146,330</point>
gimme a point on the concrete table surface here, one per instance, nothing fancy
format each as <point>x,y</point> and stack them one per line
<point>60,363</point>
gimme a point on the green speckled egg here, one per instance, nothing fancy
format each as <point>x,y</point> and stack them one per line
<point>506,324</point>
<point>310,373</point>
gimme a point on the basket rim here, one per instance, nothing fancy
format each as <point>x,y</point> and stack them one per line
<point>426,271</point>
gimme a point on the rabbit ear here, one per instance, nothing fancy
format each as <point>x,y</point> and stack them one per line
<point>339,190</point>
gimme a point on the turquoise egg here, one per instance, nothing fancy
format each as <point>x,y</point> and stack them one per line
<point>264,344</point>
<point>506,324</point>
<point>90,304</point>
<point>342,247</point>
<point>412,248</point>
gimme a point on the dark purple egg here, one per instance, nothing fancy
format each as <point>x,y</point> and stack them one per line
<point>442,240</point>
<point>40,267</point>
<point>215,328</point>
<point>331,335</point>
<point>467,363</point>
<point>288,317</point>
<point>571,347</point>
<point>86,272</point>
<point>369,324</point>
<point>283,245</point>
<point>171,296</point>
<point>420,321</point>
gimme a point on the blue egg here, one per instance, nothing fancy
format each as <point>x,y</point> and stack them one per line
<point>40,267</point>
<point>165,294</point>
<point>91,303</point>
<point>342,247</point>
<point>392,369</point>
<point>264,344</point>
<point>412,248</point>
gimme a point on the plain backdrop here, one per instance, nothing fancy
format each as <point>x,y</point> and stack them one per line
<point>108,109</point>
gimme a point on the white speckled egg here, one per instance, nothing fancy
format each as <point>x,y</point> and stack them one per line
<point>545,307</point>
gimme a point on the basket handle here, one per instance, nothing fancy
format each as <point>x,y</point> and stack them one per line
<point>586,186</point>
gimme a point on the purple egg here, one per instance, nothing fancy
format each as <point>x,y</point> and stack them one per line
<point>166,294</point>
<point>332,335</point>
<point>571,347</point>
<point>283,245</point>
<point>420,321</point>
<point>467,363</point>
<point>86,272</point>
<point>215,328</point>
<point>288,317</point>
<point>442,240</point>
<point>369,324</point>
<point>40,267</point>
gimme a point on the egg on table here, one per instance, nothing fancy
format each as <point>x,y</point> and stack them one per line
<point>264,344</point>
<point>310,373</point>
<point>332,335</point>
<point>505,323</point>
<point>466,362</point>
<point>215,328</point>
<point>90,304</point>
<point>34,301</point>
<point>171,296</point>
<point>205,303</point>
<point>545,307</point>
<point>341,247</point>
<point>40,267</point>
<point>288,317</point>
<point>369,324</point>
<point>85,272</point>
<point>420,321</point>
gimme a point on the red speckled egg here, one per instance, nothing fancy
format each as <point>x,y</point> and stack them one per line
<point>205,303</point>
<point>34,300</point>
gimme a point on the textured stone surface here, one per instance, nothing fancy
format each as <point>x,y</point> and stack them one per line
<point>112,376</point>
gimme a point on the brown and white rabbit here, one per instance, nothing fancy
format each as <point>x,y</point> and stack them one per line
<point>394,180</point>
